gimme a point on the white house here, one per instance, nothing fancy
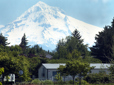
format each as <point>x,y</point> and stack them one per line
<point>48,71</point>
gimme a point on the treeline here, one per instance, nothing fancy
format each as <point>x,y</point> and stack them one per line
<point>29,59</point>
<point>20,57</point>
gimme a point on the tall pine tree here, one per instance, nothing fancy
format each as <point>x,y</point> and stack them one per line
<point>23,44</point>
<point>104,45</point>
<point>3,40</point>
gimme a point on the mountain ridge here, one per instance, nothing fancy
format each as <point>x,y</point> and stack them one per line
<point>45,25</point>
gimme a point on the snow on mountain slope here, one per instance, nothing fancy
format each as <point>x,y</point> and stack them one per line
<point>45,25</point>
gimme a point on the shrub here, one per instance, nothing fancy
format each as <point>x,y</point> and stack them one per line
<point>71,82</point>
<point>35,81</point>
<point>97,78</point>
<point>0,83</point>
<point>83,82</point>
<point>47,82</point>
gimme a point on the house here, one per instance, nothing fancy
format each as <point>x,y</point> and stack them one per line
<point>48,56</point>
<point>48,71</point>
<point>100,67</point>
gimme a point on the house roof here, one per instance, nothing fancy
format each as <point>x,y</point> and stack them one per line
<point>100,65</point>
<point>48,56</point>
<point>55,66</point>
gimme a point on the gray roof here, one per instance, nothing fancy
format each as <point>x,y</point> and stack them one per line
<point>56,65</point>
<point>100,65</point>
<point>53,65</point>
<point>48,56</point>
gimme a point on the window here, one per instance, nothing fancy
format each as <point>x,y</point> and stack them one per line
<point>102,71</point>
<point>54,73</point>
<point>43,74</point>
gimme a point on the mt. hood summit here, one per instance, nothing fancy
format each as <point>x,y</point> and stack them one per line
<point>45,25</point>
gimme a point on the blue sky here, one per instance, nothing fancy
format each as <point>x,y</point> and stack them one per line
<point>95,12</point>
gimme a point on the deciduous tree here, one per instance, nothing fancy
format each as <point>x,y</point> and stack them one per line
<point>76,67</point>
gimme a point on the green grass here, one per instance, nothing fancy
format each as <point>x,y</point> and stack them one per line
<point>103,84</point>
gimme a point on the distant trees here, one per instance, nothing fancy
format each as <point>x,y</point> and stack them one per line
<point>3,40</point>
<point>104,45</point>
<point>9,64</point>
<point>23,44</point>
<point>20,57</point>
<point>72,46</point>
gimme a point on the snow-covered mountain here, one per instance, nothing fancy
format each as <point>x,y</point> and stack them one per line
<point>45,25</point>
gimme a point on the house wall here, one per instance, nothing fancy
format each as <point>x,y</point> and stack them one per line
<point>49,73</point>
<point>99,70</point>
<point>42,73</point>
<point>51,76</point>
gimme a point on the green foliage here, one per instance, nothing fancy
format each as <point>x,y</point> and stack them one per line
<point>58,61</point>
<point>23,44</point>
<point>91,60</point>
<point>71,82</point>
<point>34,64</point>
<point>1,71</point>
<point>13,64</point>
<point>24,66</point>
<point>72,44</point>
<point>36,81</point>
<point>76,54</point>
<point>69,56</point>
<point>61,49</point>
<point>58,77</point>
<point>15,50</point>
<point>83,82</point>
<point>3,40</point>
<point>63,71</point>
<point>49,82</point>
<point>0,83</point>
<point>104,45</point>
<point>9,63</point>
<point>111,68</point>
<point>76,67</point>
<point>97,78</point>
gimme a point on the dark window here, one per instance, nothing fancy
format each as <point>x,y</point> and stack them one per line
<point>43,74</point>
<point>54,73</point>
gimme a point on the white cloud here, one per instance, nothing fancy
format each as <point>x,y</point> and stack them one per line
<point>1,26</point>
<point>104,1</point>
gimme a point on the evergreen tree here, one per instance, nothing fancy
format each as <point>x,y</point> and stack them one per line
<point>24,43</point>
<point>3,40</point>
<point>75,42</point>
<point>104,45</point>
<point>76,34</point>
<point>71,43</point>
